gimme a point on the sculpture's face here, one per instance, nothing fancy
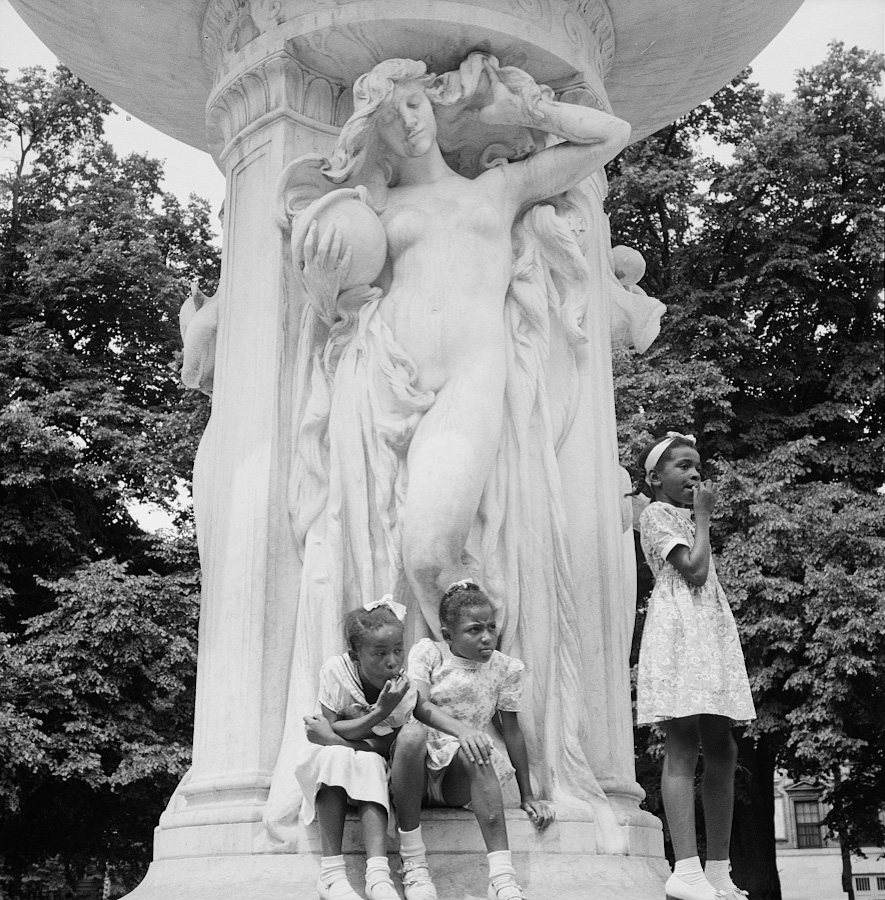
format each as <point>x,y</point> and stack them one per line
<point>475,634</point>
<point>380,654</point>
<point>406,124</point>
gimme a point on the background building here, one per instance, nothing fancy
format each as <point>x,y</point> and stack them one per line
<point>810,864</point>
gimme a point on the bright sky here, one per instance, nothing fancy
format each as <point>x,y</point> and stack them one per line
<point>801,44</point>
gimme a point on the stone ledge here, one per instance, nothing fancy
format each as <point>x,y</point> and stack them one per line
<point>458,876</point>
<point>217,863</point>
<point>452,831</point>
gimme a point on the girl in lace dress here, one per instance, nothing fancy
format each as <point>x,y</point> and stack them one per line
<point>466,677</point>
<point>692,678</point>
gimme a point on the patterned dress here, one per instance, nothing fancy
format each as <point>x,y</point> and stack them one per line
<point>362,773</point>
<point>469,691</point>
<point>690,660</point>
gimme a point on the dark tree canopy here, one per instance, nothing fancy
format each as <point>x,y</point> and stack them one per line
<point>768,252</point>
<point>97,618</point>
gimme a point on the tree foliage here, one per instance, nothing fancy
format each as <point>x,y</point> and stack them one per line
<point>96,262</point>
<point>814,626</point>
<point>768,252</point>
<point>101,691</point>
<point>98,619</point>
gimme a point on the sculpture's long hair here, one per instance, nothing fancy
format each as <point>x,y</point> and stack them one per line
<point>358,140</point>
<point>450,94</point>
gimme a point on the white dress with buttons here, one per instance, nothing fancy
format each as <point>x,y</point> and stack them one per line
<point>362,773</point>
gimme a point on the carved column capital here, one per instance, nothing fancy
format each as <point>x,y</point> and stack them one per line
<point>277,85</point>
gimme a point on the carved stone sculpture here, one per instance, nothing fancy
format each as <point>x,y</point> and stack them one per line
<point>422,408</point>
<point>198,321</point>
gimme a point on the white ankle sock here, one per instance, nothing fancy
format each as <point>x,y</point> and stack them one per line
<point>500,863</point>
<point>411,844</point>
<point>717,872</point>
<point>377,869</point>
<point>332,869</point>
<point>689,870</point>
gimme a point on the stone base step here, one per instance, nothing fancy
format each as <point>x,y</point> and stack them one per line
<point>562,863</point>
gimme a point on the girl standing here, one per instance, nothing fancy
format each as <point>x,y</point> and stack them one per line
<point>466,677</point>
<point>692,678</point>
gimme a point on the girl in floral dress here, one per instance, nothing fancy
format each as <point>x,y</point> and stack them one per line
<point>692,678</point>
<point>466,677</point>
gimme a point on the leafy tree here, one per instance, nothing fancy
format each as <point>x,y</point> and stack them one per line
<point>45,122</point>
<point>93,416</point>
<point>814,627</point>
<point>97,659</point>
<point>769,257</point>
<point>101,692</point>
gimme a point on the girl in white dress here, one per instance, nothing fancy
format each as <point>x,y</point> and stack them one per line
<point>466,677</point>
<point>692,678</point>
<point>364,700</point>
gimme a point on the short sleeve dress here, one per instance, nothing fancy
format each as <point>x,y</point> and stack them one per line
<point>690,659</point>
<point>363,774</point>
<point>469,691</point>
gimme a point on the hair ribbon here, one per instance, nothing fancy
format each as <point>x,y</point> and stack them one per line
<point>398,609</point>
<point>658,451</point>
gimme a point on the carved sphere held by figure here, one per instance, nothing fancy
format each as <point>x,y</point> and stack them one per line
<point>362,232</point>
<point>629,264</point>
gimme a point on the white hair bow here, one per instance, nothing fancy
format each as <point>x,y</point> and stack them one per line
<point>387,600</point>
<point>658,450</point>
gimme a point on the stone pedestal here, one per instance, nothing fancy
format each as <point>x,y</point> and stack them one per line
<point>562,862</point>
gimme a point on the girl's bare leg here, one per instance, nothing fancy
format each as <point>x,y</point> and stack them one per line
<point>331,805</point>
<point>720,758</point>
<point>373,818</point>
<point>677,783</point>
<point>465,781</point>
<point>408,774</point>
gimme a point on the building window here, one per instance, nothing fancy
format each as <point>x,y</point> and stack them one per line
<point>880,883</point>
<point>862,884</point>
<point>808,824</point>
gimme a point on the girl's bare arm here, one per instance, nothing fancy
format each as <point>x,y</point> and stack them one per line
<point>694,563</point>
<point>538,811</point>
<point>361,727</point>
<point>476,743</point>
<point>320,730</point>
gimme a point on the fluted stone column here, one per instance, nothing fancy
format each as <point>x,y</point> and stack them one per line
<point>249,563</point>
